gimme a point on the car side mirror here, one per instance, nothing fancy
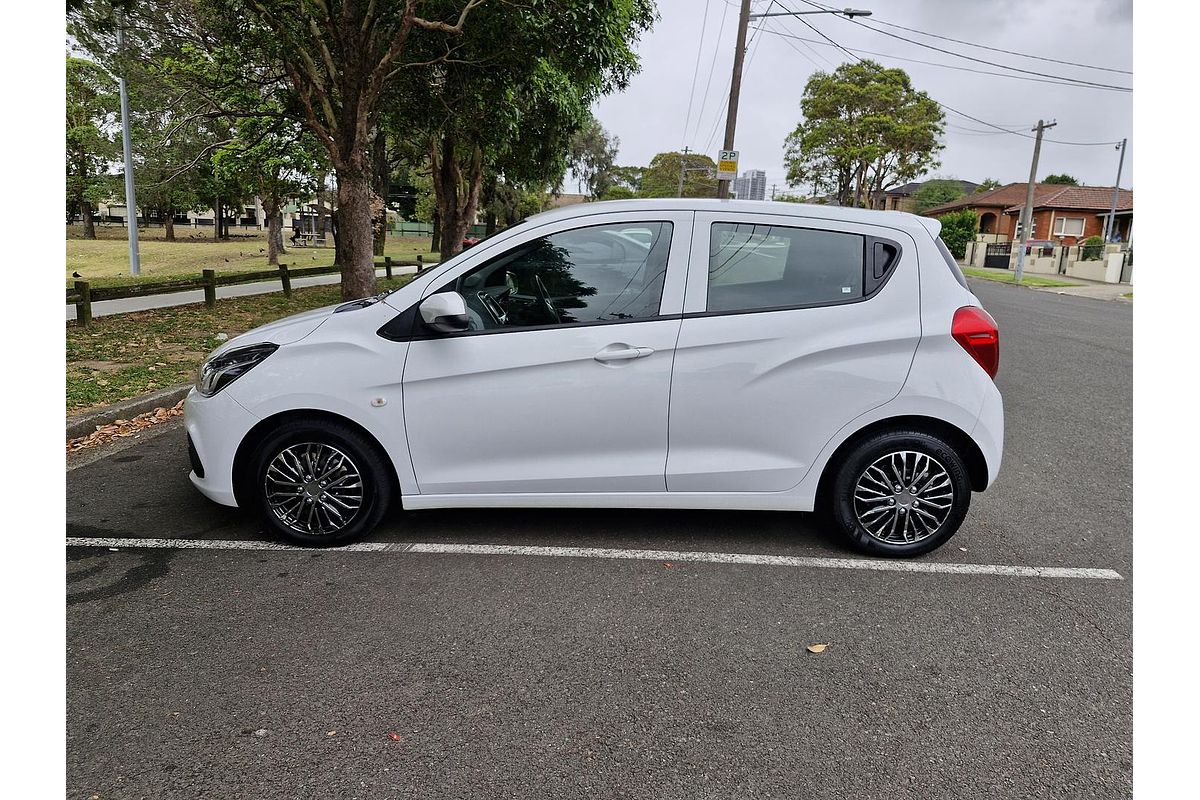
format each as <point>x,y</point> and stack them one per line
<point>445,312</point>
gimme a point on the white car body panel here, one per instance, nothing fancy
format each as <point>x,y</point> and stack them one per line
<point>733,411</point>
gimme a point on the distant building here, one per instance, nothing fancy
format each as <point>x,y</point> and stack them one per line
<point>902,198</point>
<point>751,186</point>
<point>1063,214</point>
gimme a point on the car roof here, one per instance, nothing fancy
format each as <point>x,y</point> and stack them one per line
<point>890,219</point>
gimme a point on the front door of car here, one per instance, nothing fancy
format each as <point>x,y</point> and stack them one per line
<point>562,382</point>
<point>792,328</point>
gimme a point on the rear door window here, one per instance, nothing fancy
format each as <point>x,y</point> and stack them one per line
<point>754,267</point>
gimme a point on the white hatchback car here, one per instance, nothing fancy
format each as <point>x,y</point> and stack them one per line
<point>639,354</point>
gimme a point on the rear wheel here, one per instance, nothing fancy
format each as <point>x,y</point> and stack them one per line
<point>900,493</point>
<point>320,484</point>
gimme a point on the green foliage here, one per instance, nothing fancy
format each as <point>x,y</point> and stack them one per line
<point>92,106</point>
<point>864,127</point>
<point>958,228</point>
<point>1092,249</point>
<point>987,185</point>
<point>937,192</point>
<point>629,177</point>
<point>661,178</point>
<point>591,157</point>
<point>618,192</point>
<point>789,198</point>
<point>1061,178</point>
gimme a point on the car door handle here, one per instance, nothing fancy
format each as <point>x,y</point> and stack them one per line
<point>622,352</point>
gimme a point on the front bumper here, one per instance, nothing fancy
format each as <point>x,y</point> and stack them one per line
<point>215,427</point>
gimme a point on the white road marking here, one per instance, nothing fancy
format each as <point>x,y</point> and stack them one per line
<point>754,559</point>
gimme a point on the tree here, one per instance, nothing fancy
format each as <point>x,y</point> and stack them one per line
<point>92,106</point>
<point>936,192</point>
<point>508,103</point>
<point>1061,178</point>
<point>276,158</point>
<point>618,192</point>
<point>785,197</point>
<point>958,228</point>
<point>329,62</point>
<point>592,156</point>
<point>628,177</point>
<point>661,178</point>
<point>864,127</point>
<point>987,185</point>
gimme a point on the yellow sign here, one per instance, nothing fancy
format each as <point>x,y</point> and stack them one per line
<point>727,165</point>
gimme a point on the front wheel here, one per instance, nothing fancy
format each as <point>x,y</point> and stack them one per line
<point>320,484</point>
<point>900,494</point>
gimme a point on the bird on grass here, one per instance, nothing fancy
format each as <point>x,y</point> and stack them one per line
<point>227,261</point>
<point>76,275</point>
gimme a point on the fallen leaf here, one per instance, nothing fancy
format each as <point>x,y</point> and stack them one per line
<point>395,737</point>
<point>817,648</point>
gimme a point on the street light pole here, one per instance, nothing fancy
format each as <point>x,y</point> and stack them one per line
<point>735,85</point>
<point>135,266</point>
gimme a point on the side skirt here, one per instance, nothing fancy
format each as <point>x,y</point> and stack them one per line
<point>737,501</point>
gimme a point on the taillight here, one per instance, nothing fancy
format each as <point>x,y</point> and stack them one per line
<point>976,331</point>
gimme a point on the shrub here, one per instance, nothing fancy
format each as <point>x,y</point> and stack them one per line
<point>1092,249</point>
<point>958,228</point>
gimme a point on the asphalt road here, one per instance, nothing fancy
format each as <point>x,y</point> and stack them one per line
<point>284,674</point>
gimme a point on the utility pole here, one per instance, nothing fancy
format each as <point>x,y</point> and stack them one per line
<point>773,191</point>
<point>735,89</point>
<point>1109,222</point>
<point>735,85</point>
<point>135,266</point>
<point>682,169</point>
<point>1027,211</point>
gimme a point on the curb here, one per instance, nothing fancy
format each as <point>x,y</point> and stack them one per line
<point>85,423</point>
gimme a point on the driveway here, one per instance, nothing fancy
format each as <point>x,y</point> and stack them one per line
<point>544,654</point>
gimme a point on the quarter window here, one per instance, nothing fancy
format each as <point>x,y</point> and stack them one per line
<point>603,273</point>
<point>773,266</point>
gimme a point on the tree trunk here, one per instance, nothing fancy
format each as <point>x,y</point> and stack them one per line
<point>89,220</point>
<point>435,245</point>
<point>456,202</point>
<point>169,224</point>
<point>322,213</point>
<point>357,258</point>
<point>274,230</point>
<point>380,177</point>
<point>217,209</point>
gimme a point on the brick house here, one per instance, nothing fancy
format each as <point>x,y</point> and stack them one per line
<point>1062,214</point>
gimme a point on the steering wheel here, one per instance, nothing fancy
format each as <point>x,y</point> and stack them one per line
<point>544,296</point>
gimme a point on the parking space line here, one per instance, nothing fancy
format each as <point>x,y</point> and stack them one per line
<point>753,559</point>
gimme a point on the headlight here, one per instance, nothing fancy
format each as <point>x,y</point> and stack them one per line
<point>217,373</point>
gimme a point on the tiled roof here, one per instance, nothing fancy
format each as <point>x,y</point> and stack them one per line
<point>1045,195</point>
<point>1082,197</point>
<point>911,188</point>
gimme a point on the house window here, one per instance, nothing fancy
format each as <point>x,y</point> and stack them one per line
<point>1068,226</point>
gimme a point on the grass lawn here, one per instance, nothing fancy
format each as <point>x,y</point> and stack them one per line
<point>105,261</point>
<point>126,355</point>
<point>1007,277</point>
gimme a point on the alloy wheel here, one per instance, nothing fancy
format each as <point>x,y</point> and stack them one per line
<point>313,488</point>
<point>903,497</point>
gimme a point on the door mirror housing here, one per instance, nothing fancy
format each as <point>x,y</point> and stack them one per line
<point>445,312</point>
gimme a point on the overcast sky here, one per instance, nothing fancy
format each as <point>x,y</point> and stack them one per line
<point>649,116</point>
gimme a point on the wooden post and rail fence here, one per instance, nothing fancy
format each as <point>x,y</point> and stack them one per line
<point>83,294</point>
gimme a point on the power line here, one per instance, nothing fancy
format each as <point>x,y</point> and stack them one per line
<point>878,21</point>
<point>953,110</point>
<point>936,63</point>
<point>752,47</point>
<point>711,69</point>
<point>695,72</point>
<point>978,60</point>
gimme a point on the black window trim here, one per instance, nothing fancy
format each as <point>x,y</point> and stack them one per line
<point>417,332</point>
<point>869,242</point>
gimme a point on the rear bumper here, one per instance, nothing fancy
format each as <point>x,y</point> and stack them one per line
<point>215,427</point>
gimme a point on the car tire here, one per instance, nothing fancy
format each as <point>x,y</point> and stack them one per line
<point>295,459</point>
<point>922,506</point>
